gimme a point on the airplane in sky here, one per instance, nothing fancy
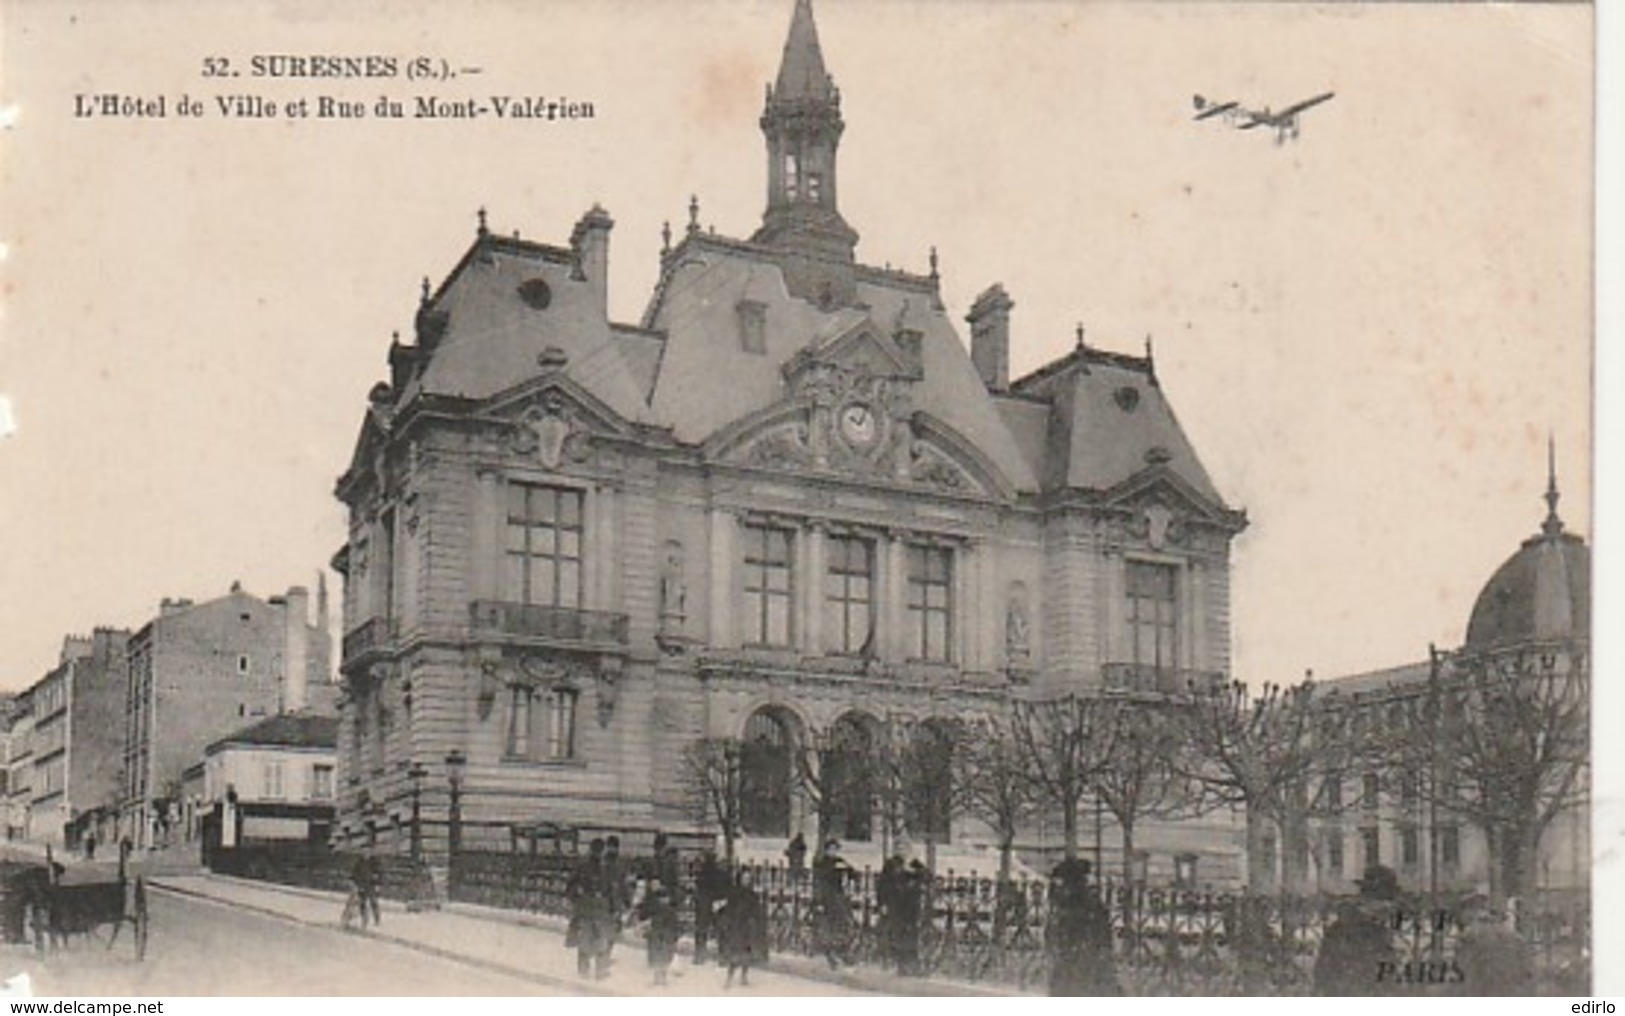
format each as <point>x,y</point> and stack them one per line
<point>1285,122</point>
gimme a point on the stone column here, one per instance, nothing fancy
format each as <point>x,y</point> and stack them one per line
<point>606,551</point>
<point>722,566</point>
<point>1194,632</point>
<point>814,563</point>
<point>894,592</point>
<point>485,535</point>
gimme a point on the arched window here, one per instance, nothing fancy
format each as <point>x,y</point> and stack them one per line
<point>848,780</point>
<point>928,772</point>
<point>765,775</point>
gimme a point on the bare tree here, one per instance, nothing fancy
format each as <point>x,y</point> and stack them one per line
<point>711,774</point>
<point>1253,752</point>
<point>990,781</point>
<point>1505,737</point>
<point>1140,778</point>
<point>1064,743</point>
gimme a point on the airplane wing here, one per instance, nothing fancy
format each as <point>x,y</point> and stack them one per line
<point>1305,104</point>
<point>1214,109</point>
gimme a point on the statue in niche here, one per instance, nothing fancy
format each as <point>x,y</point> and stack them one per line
<point>1017,633</point>
<point>673,591</point>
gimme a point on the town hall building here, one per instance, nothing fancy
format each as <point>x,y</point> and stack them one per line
<point>793,505</point>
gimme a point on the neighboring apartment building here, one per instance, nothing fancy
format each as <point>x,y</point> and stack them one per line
<point>199,671</point>
<point>72,741</point>
<point>789,506</point>
<point>270,782</point>
<point>19,765</point>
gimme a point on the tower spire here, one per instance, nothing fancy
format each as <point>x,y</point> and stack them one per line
<point>1553,525</point>
<point>802,125</point>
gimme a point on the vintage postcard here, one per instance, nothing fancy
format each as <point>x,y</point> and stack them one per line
<point>799,497</point>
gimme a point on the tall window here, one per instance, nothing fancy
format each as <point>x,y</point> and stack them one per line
<point>561,723</point>
<point>849,594</point>
<point>1409,849</point>
<point>543,559</point>
<point>321,781</point>
<point>528,709</point>
<point>930,602</point>
<point>1370,784</point>
<point>1332,791</point>
<point>764,776</point>
<point>1369,845</point>
<point>792,184</point>
<point>767,585</point>
<point>1334,852</point>
<point>520,721</point>
<point>273,780</point>
<point>1449,847</point>
<point>1152,613</point>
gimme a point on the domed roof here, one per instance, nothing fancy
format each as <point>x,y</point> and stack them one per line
<point>1541,594</point>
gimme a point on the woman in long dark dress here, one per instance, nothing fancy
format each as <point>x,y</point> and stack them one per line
<point>659,909</point>
<point>742,931</point>
<point>1079,935</point>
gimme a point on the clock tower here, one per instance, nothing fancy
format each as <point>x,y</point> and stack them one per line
<point>802,126</point>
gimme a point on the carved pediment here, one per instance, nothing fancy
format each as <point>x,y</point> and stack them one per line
<point>555,422</point>
<point>861,351</point>
<point>1160,509</point>
<point>865,431</point>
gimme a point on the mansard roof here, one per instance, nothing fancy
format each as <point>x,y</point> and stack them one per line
<point>708,378</point>
<point>1108,420</point>
<point>506,303</point>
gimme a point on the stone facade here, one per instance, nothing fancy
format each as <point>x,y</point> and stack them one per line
<point>72,742</point>
<point>790,497</point>
<point>196,673</point>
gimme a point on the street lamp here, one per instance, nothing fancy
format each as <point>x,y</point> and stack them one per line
<point>416,773</point>
<point>456,762</point>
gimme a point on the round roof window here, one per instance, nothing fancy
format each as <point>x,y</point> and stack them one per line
<point>536,292</point>
<point>1128,398</point>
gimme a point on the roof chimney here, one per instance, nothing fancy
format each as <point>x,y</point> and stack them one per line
<point>590,241</point>
<point>296,654</point>
<point>989,320</point>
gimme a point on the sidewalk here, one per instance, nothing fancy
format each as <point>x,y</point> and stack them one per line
<point>531,946</point>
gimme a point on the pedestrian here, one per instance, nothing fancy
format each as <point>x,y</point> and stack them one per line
<point>741,930</point>
<point>795,855</point>
<point>711,885</point>
<point>1078,937</point>
<point>1357,949</point>
<point>659,910</point>
<point>832,913</point>
<point>90,846</point>
<point>890,890</point>
<point>1491,958</point>
<point>364,877</point>
<point>590,929</point>
<point>912,918</point>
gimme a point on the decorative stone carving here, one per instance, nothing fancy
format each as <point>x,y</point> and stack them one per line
<point>1017,633</point>
<point>1158,525</point>
<point>930,468</point>
<point>783,447</point>
<point>673,591</point>
<point>551,432</point>
<point>609,676</point>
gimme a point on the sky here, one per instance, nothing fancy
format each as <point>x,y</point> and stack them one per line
<point>1368,333</point>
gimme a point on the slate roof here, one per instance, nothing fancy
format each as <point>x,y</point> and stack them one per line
<point>287,730</point>
<point>493,336</point>
<point>1541,594</point>
<point>1109,420</point>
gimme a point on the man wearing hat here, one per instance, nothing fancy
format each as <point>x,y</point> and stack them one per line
<point>1078,936</point>
<point>1490,957</point>
<point>832,914</point>
<point>1357,951</point>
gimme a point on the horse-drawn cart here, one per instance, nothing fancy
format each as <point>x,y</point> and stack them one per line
<point>56,907</point>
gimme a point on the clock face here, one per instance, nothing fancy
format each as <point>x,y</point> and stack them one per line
<point>858,424</point>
